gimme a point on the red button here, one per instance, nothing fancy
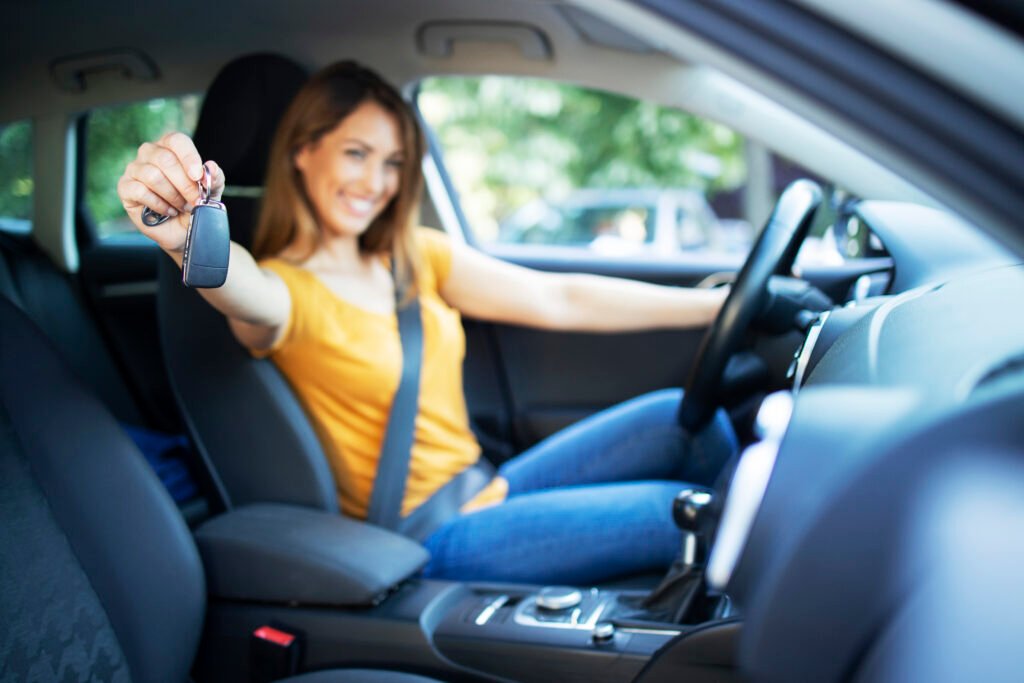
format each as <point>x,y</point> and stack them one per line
<point>274,636</point>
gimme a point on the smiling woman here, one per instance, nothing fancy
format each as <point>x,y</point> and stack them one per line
<point>884,545</point>
<point>342,265</point>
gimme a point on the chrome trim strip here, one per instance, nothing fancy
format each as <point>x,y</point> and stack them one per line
<point>652,631</point>
<point>489,611</point>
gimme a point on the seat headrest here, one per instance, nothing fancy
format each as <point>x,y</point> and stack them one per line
<point>241,111</point>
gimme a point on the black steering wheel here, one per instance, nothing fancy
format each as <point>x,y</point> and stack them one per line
<point>774,252</point>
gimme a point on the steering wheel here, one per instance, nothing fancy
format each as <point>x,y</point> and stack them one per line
<point>774,252</point>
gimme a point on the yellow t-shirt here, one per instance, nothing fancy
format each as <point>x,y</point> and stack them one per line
<point>344,363</point>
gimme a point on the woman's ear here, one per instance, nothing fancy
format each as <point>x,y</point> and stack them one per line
<point>301,157</point>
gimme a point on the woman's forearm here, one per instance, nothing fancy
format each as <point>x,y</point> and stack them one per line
<point>248,295</point>
<point>603,304</point>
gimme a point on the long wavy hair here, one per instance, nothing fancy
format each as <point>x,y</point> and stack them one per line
<point>286,213</point>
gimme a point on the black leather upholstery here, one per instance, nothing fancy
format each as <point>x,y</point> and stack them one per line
<point>241,412</point>
<point>121,527</point>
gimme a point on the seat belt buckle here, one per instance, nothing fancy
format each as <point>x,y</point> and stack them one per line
<point>273,654</point>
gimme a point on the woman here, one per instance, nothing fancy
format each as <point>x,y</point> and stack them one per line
<point>337,237</point>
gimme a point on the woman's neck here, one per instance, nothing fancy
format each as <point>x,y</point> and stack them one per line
<point>339,254</point>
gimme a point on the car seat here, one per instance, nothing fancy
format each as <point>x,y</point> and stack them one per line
<point>99,576</point>
<point>240,412</point>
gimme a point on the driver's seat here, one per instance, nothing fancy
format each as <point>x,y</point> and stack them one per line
<point>99,577</point>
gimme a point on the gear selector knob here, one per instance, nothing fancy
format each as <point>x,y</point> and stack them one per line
<point>691,508</point>
<point>691,511</point>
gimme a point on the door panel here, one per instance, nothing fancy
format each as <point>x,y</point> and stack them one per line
<point>523,385</point>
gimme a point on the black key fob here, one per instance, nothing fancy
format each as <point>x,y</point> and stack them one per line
<point>207,246</point>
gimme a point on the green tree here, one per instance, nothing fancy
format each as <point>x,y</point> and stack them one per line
<point>112,141</point>
<point>16,170</point>
<point>510,140</point>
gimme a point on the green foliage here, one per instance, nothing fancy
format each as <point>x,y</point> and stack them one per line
<point>16,170</point>
<point>112,141</point>
<point>510,140</point>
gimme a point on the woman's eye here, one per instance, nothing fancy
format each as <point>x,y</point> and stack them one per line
<point>395,164</point>
<point>355,153</point>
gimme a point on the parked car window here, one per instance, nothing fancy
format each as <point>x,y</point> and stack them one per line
<point>113,136</point>
<point>16,182</point>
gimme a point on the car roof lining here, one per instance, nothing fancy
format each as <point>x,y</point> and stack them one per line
<point>385,36</point>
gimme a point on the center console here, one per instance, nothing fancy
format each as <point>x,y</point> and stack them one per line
<point>269,567</point>
<point>556,633</point>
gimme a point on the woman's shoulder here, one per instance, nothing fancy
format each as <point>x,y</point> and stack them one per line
<point>294,276</point>
<point>436,249</point>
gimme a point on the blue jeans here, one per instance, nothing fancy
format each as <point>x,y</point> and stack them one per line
<point>589,503</point>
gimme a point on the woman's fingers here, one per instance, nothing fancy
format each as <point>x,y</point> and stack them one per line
<point>157,182</point>
<point>164,177</point>
<point>135,195</point>
<point>172,168</point>
<point>185,151</point>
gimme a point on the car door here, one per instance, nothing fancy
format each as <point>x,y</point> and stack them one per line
<point>563,178</point>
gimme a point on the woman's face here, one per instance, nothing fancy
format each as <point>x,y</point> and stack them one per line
<point>353,171</point>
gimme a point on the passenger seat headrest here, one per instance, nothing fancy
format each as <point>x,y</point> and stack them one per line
<point>241,111</point>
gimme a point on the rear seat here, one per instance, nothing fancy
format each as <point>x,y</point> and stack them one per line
<point>53,301</point>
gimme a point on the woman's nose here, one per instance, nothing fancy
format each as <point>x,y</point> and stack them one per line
<point>373,178</point>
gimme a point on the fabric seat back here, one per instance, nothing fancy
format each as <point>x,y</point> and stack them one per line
<point>99,578</point>
<point>241,413</point>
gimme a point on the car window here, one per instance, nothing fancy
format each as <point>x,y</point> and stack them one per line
<point>113,136</point>
<point>546,163</point>
<point>16,182</point>
<point>551,165</point>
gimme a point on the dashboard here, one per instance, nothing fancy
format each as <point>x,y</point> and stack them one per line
<point>817,510</point>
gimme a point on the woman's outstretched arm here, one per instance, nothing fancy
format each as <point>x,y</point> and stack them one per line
<point>483,287</point>
<point>164,176</point>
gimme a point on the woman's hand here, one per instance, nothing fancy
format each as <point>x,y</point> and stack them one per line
<point>164,176</point>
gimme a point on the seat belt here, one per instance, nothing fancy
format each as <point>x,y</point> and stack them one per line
<point>385,508</point>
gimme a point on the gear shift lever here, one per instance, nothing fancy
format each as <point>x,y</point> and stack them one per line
<point>691,511</point>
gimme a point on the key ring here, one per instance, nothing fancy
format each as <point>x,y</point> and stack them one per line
<point>205,185</point>
<point>153,219</point>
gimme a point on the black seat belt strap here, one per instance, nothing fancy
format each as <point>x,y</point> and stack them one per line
<point>393,468</point>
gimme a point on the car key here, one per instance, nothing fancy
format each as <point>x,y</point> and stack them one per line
<point>208,241</point>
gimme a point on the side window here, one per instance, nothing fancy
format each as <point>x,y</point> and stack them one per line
<point>543,163</point>
<point>113,136</point>
<point>557,166</point>
<point>16,183</point>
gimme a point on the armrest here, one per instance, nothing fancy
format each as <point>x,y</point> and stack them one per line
<point>270,552</point>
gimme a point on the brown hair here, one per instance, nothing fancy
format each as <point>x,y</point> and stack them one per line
<point>286,214</point>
